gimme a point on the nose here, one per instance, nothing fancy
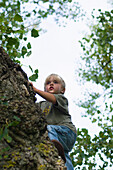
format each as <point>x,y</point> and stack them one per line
<point>51,83</point>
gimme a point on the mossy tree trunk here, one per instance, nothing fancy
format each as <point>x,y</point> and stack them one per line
<point>24,143</point>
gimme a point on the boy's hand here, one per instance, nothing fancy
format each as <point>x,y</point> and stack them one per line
<point>48,96</point>
<point>30,83</point>
<point>34,89</point>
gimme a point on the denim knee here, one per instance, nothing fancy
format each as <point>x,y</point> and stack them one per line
<point>63,134</point>
<point>52,132</point>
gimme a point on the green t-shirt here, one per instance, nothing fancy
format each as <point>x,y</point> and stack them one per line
<point>57,114</point>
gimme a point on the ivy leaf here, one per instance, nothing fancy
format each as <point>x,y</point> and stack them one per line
<point>5,133</point>
<point>33,77</point>
<point>17,118</point>
<point>14,123</point>
<point>34,33</point>
<point>18,18</point>
<point>8,138</point>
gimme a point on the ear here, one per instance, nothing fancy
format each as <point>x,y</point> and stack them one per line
<point>63,91</point>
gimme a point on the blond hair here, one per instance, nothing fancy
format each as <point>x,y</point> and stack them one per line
<point>55,75</point>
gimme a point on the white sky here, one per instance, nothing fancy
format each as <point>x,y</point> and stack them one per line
<point>58,51</point>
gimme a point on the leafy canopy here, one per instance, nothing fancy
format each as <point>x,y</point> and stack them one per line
<point>20,17</point>
<point>98,51</point>
<point>96,152</point>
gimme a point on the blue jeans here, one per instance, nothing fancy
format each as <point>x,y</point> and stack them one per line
<point>66,137</point>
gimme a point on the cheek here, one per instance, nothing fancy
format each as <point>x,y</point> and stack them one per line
<point>59,88</point>
<point>46,88</point>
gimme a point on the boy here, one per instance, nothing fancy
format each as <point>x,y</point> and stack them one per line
<point>61,131</point>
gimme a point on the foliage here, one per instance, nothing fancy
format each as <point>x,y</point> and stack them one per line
<point>98,51</point>
<point>98,106</point>
<point>4,133</point>
<point>35,75</point>
<point>20,17</point>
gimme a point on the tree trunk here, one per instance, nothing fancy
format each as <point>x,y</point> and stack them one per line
<point>24,143</point>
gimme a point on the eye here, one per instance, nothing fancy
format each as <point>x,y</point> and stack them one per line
<point>48,82</point>
<point>55,81</point>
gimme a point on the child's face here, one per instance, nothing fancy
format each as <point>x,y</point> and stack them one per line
<point>53,85</point>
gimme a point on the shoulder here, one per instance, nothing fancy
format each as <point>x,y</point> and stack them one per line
<point>61,98</point>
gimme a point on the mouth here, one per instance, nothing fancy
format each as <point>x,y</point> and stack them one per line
<point>51,88</point>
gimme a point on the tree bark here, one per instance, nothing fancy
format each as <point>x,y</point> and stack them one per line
<point>24,142</point>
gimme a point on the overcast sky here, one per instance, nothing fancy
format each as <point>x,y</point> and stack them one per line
<point>58,51</point>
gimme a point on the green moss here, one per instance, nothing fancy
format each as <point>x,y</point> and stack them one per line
<point>9,164</point>
<point>44,148</point>
<point>42,167</point>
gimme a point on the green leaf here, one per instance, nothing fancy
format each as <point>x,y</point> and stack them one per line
<point>84,130</point>
<point>5,132</point>
<point>33,77</point>
<point>36,71</point>
<point>5,135</point>
<point>17,118</point>
<point>29,53</point>
<point>29,45</point>
<point>31,68</point>
<point>18,18</point>
<point>28,15</point>
<point>25,38</point>
<point>0,37</point>
<point>94,120</point>
<point>8,138</point>
<point>14,123</point>
<point>1,133</point>
<point>70,1</point>
<point>12,41</point>
<point>24,50</point>
<point>21,36</point>
<point>34,33</point>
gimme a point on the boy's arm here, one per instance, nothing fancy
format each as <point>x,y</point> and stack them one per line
<point>47,96</point>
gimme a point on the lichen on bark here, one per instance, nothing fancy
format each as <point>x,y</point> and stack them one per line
<point>24,142</point>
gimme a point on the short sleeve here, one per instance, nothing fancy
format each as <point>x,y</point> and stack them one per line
<point>62,103</point>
